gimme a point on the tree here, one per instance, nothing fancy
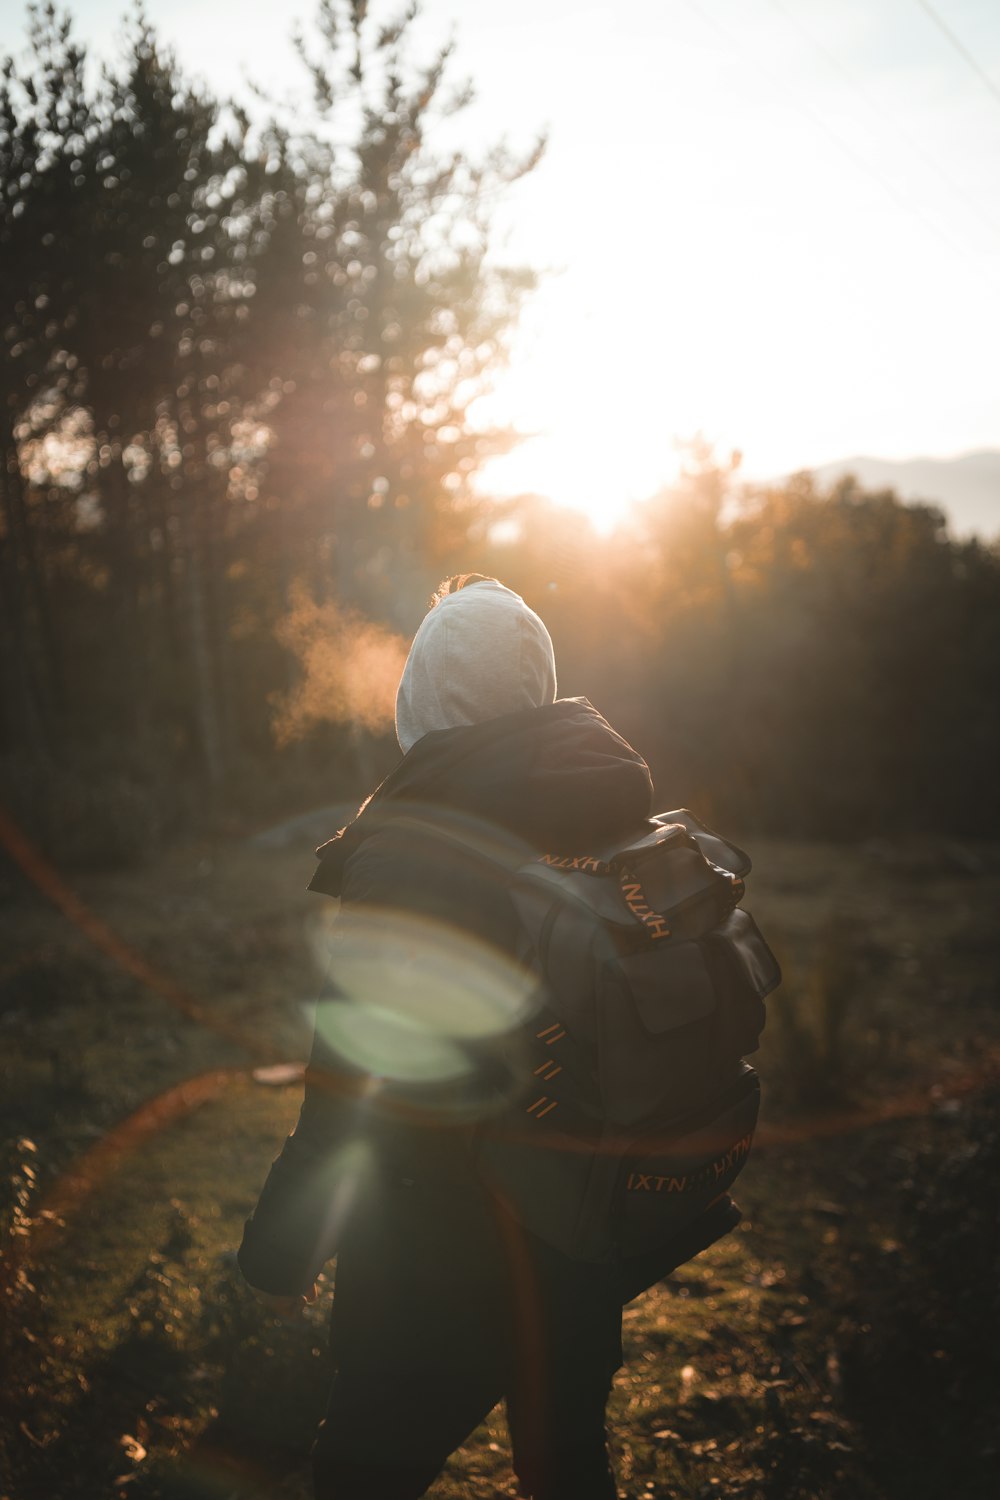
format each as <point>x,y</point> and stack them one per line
<point>390,317</point>
<point>237,359</point>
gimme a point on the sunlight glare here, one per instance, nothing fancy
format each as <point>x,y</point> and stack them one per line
<point>599,469</point>
<point>414,997</point>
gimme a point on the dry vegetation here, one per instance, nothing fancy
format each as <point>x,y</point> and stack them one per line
<point>833,1347</point>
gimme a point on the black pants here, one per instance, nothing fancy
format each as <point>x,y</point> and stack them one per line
<point>443,1308</point>
<point>440,1312</point>
<point>388,1437</point>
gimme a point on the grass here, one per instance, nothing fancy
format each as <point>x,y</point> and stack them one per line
<point>137,1364</point>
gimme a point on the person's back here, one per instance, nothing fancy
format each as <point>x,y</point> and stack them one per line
<point>444,1305</point>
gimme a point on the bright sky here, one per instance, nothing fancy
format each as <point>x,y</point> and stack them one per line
<point>776,222</point>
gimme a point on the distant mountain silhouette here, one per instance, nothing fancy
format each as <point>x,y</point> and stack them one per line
<point>966,488</point>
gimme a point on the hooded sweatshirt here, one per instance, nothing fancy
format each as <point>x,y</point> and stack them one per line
<point>556,776</point>
<point>494,772</point>
<point>553,778</point>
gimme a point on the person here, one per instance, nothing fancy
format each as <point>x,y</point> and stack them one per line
<point>443,1304</point>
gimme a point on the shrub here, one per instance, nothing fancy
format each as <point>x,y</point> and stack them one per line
<point>921,1364</point>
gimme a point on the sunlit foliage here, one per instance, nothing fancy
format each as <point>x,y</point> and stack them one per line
<point>238,353</point>
<point>236,356</point>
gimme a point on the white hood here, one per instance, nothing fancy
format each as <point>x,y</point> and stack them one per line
<point>479,653</point>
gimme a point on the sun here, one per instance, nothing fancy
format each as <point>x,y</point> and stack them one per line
<point>552,466</point>
<point>593,467</point>
<point>597,439</point>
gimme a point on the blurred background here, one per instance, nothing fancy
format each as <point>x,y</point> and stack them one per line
<point>681,319</point>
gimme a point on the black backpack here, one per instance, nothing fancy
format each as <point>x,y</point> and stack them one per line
<point>634,1110</point>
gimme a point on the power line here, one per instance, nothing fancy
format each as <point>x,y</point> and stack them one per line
<point>961,49</point>
<point>915,146</point>
<point>846,149</point>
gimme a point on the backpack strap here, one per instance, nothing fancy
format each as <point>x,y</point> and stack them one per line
<point>721,886</point>
<point>631,887</point>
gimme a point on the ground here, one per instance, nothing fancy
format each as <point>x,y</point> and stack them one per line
<point>800,1358</point>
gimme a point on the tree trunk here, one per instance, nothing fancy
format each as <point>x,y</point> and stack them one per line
<point>202,660</point>
<point>132,643</point>
<point>28,671</point>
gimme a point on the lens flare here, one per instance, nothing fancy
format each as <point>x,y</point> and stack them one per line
<point>414,999</point>
<point>347,1174</point>
<point>389,1045</point>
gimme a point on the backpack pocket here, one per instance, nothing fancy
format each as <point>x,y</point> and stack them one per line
<point>669,1176</point>
<point>603,1197</point>
<point>558,1183</point>
<point>670,986</point>
<point>745,971</point>
<point>742,938</point>
<point>655,1012</point>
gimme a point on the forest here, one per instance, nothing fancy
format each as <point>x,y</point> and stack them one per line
<point>236,363</point>
<point>242,349</point>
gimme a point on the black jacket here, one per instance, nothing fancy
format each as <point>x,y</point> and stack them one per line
<point>433,843</point>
